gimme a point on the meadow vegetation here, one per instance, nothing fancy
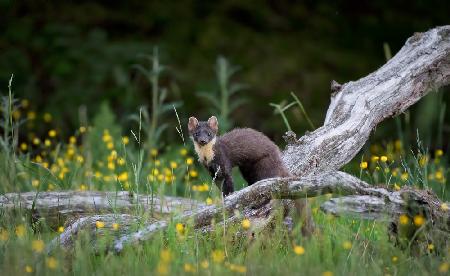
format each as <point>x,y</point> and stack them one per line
<point>102,155</point>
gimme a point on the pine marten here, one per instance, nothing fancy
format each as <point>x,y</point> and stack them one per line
<point>254,153</point>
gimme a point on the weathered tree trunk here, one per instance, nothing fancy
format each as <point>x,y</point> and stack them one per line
<point>423,64</point>
<point>61,206</point>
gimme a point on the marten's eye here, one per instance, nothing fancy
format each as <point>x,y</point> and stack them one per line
<point>209,134</point>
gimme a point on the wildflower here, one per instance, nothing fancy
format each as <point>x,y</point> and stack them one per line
<point>183,151</point>
<point>299,250</point>
<point>28,269</point>
<point>4,235</point>
<point>430,247</point>
<point>20,231</point>
<point>111,166</point>
<point>47,142</point>
<point>23,147</point>
<point>160,177</point>
<point>37,246</point>
<point>173,164</point>
<point>110,145</point>
<point>394,259</point>
<point>189,268</point>
<point>99,224</point>
<point>25,103</point>
<point>154,152</point>
<point>72,140</point>
<point>375,158</point>
<point>106,136</point>
<point>61,229</point>
<point>439,175</point>
<point>209,201</point>
<point>383,158</point>
<point>16,114</point>
<point>52,133</point>
<point>36,141</point>
<point>123,177</point>
<point>423,160</point>
<point>347,245</point>
<point>204,264</point>
<point>403,219</point>
<point>218,256</point>
<point>125,140</point>
<point>47,117</point>
<point>404,176</point>
<point>35,183</point>
<point>180,228</point>
<point>443,268</point>
<point>166,256</point>
<point>52,263</point>
<point>163,269</point>
<point>121,161</point>
<point>246,224</point>
<point>193,173</point>
<point>155,171</point>
<point>237,268</point>
<point>363,165</point>
<point>439,153</point>
<point>189,161</point>
<point>115,226</point>
<point>396,187</point>
<point>31,115</point>
<point>419,220</point>
<point>82,129</point>
<point>80,159</point>
<point>444,207</point>
<point>327,273</point>
<point>83,187</point>
<point>398,145</point>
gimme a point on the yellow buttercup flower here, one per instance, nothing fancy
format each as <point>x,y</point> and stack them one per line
<point>246,224</point>
<point>363,165</point>
<point>299,250</point>
<point>47,117</point>
<point>439,153</point>
<point>204,264</point>
<point>154,152</point>
<point>419,220</point>
<point>28,269</point>
<point>4,235</point>
<point>115,226</point>
<point>123,177</point>
<point>189,161</point>
<point>52,263</point>
<point>60,229</point>
<point>35,183</point>
<point>193,173</point>
<point>327,273</point>
<point>375,158</point>
<point>82,129</point>
<point>37,246</point>
<point>166,256</point>
<point>20,231</point>
<point>218,256</point>
<point>383,158</point>
<point>99,224</point>
<point>444,207</point>
<point>209,201</point>
<point>23,146</point>
<point>173,164</point>
<point>444,267</point>
<point>180,228</point>
<point>347,245</point>
<point>403,219</point>
<point>183,152</point>
<point>404,176</point>
<point>72,140</point>
<point>394,259</point>
<point>189,268</point>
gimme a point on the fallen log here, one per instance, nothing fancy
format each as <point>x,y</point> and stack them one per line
<point>423,64</point>
<point>60,206</point>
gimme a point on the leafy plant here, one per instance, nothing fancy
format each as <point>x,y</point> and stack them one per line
<point>221,99</point>
<point>282,107</point>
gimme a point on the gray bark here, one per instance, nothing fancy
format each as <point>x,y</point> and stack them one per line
<point>60,206</point>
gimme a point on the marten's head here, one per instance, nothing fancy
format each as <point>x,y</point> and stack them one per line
<point>202,133</point>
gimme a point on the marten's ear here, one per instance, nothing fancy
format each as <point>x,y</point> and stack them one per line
<point>212,122</point>
<point>193,123</point>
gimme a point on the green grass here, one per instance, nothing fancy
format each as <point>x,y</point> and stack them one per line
<point>101,157</point>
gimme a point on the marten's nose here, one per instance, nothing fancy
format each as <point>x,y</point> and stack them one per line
<point>202,142</point>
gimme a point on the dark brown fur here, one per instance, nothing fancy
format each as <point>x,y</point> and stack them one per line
<point>254,153</point>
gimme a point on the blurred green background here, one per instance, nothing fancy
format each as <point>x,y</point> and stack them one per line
<point>67,55</point>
